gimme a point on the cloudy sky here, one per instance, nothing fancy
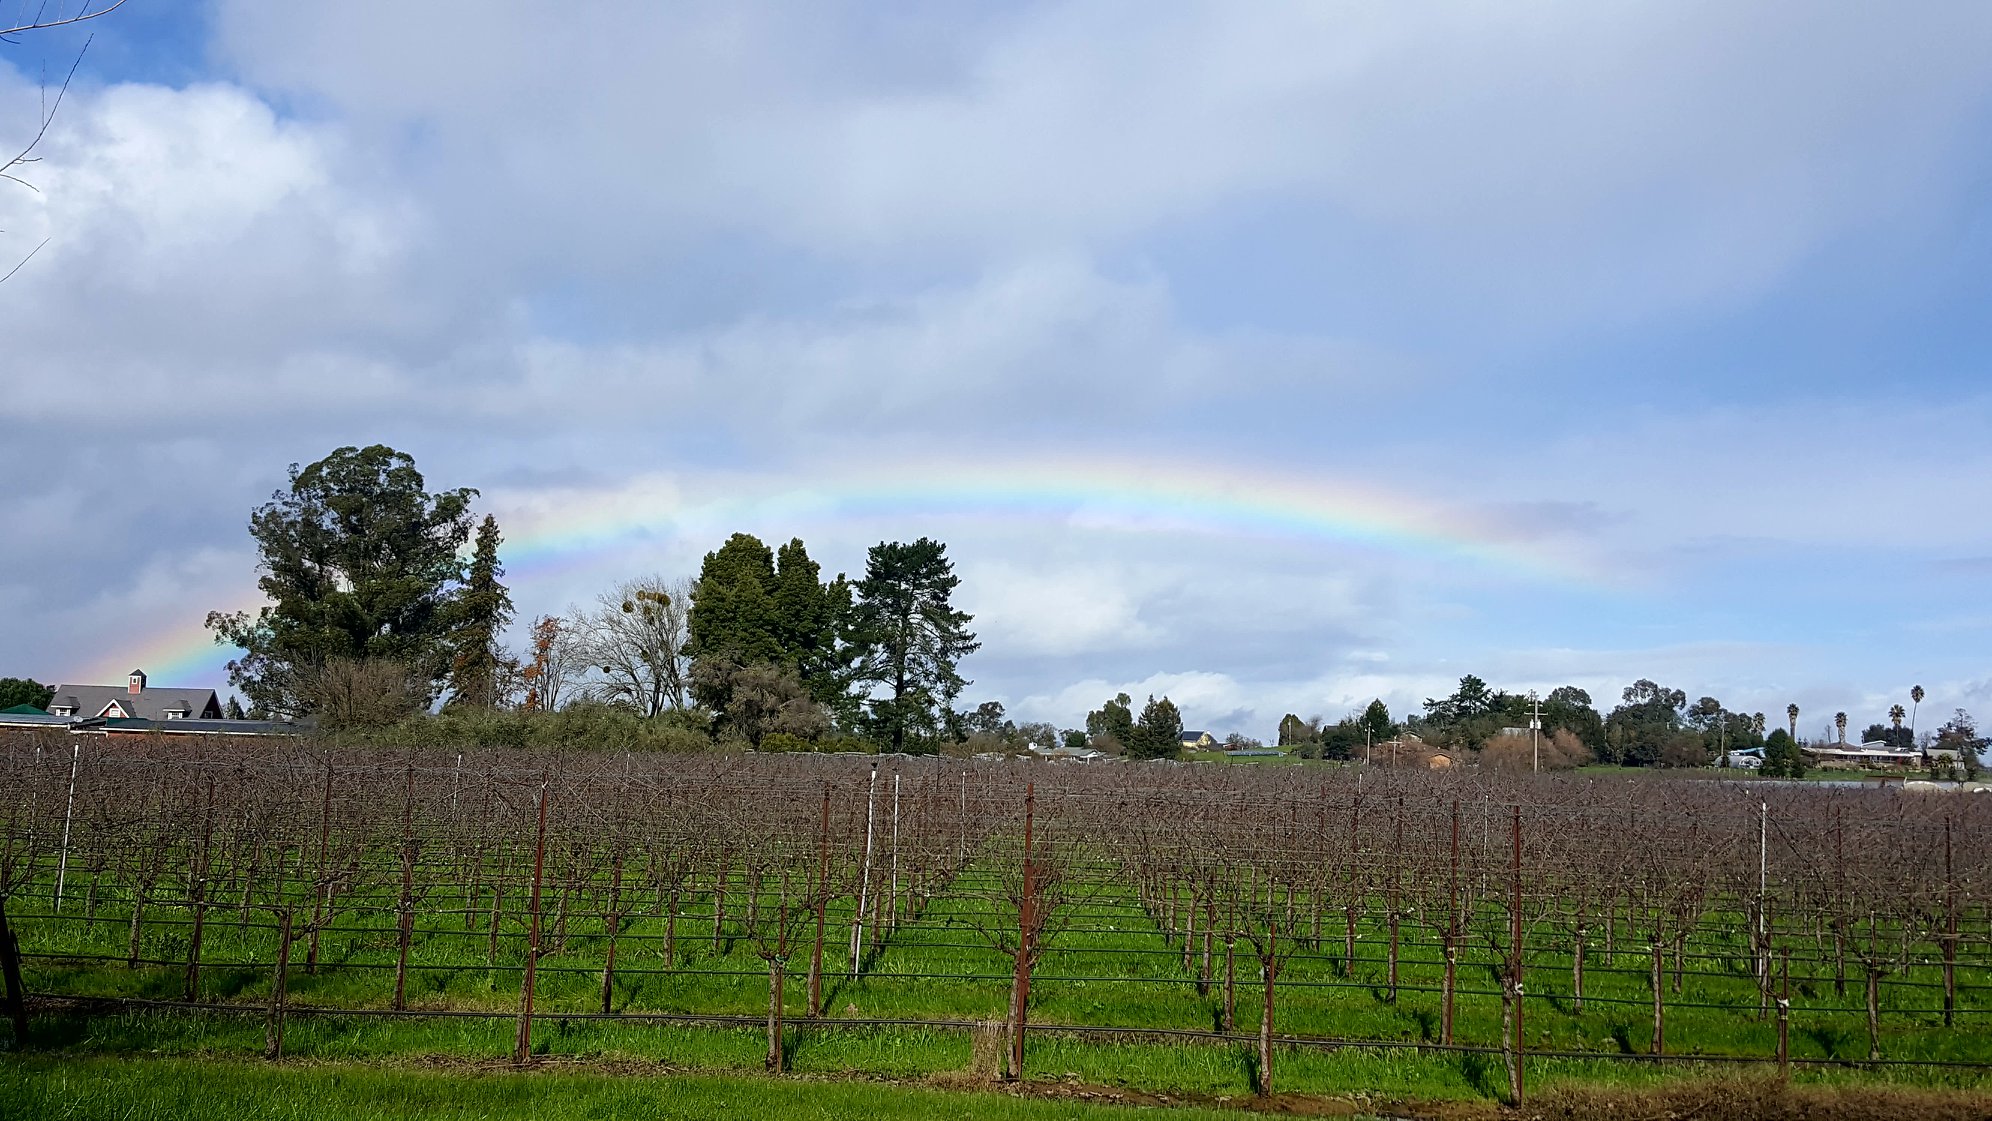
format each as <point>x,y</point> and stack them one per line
<point>1272,357</point>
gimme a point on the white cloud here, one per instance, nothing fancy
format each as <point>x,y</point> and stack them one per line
<point>1563,160</point>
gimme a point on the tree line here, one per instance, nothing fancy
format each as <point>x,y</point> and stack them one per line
<point>1653,725</point>
<point>377,615</point>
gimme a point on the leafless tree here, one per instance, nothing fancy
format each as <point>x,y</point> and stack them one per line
<point>28,18</point>
<point>635,637</point>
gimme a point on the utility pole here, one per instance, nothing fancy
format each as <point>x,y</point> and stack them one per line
<point>1535,733</point>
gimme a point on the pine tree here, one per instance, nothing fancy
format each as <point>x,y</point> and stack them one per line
<point>478,614</point>
<point>911,639</point>
<point>1158,734</point>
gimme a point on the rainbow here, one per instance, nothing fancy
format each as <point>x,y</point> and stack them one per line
<point>551,533</point>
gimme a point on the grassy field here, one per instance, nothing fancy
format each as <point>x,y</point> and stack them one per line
<point>161,1089</point>
<point>1111,965</point>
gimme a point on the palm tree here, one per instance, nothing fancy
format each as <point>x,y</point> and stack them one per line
<point>1840,722</point>
<point>1791,711</point>
<point>1895,715</point>
<point>1757,725</point>
<point>1915,702</point>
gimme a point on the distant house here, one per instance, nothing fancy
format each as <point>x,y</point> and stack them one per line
<point>134,700</point>
<point>1873,755</point>
<point>1198,741</point>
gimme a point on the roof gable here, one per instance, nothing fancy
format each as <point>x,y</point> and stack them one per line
<point>152,704</point>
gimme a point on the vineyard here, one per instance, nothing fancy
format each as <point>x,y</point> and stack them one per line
<point>1007,919</point>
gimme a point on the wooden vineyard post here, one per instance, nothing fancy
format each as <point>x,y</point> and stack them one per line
<point>273,1026</point>
<point>1349,912</point>
<point>1452,935</point>
<point>324,873</point>
<point>614,930</point>
<point>523,1048</point>
<point>1784,1017</point>
<point>1231,967</point>
<point>197,899</point>
<point>1515,957</point>
<point>892,906</point>
<point>822,908</point>
<point>1950,932</point>
<point>1659,1044</point>
<point>10,967</point>
<point>407,905</point>
<point>1271,969</point>
<point>1020,989</point>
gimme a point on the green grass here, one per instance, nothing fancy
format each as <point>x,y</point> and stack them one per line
<point>160,1089</point>
<point>1114,965</point>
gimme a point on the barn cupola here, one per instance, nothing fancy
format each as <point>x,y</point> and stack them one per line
<point>136,682</point>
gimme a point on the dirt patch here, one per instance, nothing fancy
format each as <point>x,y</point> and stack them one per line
<point>1760,1100</point>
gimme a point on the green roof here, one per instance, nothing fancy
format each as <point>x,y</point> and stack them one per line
<point>22,710</point>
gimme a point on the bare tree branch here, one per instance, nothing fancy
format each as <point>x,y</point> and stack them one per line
<point>43,22</point>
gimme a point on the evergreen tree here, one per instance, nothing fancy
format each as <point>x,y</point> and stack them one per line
<point>911,639</point>
<point>478,614</point>
<point>24,691</point>
<point>1159,732</point>
<point>812,621</point>
<point>1376,718</point>
<point>1293,731</point>
<point>733,619</point>
<point>233,710</point>
<point>360,563</point>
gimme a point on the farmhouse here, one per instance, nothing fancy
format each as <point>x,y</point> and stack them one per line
<point>1198,740</point>
<point>134,700</point>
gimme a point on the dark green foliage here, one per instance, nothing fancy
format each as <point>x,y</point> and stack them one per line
<point>733,618</point>
<point>24,691</point>
<point>1782,758</point>
<point>360,562</point>
<point>1639,731</point>
<point>1158,734</point>
<point>233,710</point>
<point>1345,739</point>
<point>812,624</point>
<point>987,719</point>
<point>1376,718</point>
<point>1074,737</point>
<point>1294,732</point>
<point>1896,738</point>
<point>753,607</point>
<point>1568,709</point>
<point>912,638</point>
<point>476,616</point>
<point>1112,724</point>
<point>1960,735</point>
<point>1472,698</point>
